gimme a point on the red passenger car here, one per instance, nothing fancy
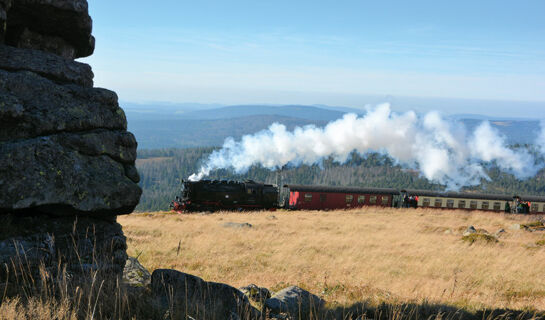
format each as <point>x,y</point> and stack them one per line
<point>324,198</point>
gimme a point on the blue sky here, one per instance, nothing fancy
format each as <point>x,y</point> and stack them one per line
<point>318,52</point>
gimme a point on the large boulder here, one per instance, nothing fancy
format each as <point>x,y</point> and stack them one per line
<point>62,27</point>
<point>66,159</point>
<point>295,301</point>
<point>188,295</point>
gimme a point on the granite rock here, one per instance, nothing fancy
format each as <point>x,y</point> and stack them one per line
<point>68,20</point>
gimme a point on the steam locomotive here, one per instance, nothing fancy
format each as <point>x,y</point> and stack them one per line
<point>215,195</point>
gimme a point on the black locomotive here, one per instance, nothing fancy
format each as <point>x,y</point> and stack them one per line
<point>214,195</point>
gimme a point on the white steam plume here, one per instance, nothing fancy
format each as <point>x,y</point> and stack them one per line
<point>443,153</point>
<point>540,142</point>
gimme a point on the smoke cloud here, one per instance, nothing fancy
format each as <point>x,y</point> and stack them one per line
<point>442,151</point>
<point>540,142</point>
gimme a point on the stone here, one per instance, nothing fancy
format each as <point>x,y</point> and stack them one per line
<point>186,294</point>
<point>256,293</point>
<point>80,244</point>
<point>135,274</point>
<point>295,301</point>
<point>68,20</point>
<point>279,316</point>
<point>4,7</point>
<point>237,225</point>
<point>469,230</point>
<point>47,65</point>
<point>64,149</point>
<point>499,233</point>
<point>33,40</point>
<point>42,175</point>
<point>32,106</point>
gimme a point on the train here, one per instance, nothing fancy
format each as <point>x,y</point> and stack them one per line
<point>217,195</point>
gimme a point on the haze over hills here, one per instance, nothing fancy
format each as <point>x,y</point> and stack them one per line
<point>167,125</point>
<point>293,111</point>
<point>180,133</point>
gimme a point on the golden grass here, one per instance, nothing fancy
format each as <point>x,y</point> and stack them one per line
<point>370,254</point>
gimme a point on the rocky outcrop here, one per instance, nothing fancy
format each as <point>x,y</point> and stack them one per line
<point>188,295</point>
<point>66,158</point>
<point>64,148</point>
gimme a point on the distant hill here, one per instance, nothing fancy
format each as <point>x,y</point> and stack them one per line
<point>292,111</point>
<point>516,131</point>
<point>195,125</point>
<point>182,133</point>
<point>163,110</point>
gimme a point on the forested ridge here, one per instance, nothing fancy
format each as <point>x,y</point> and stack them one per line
<point>161,172</point>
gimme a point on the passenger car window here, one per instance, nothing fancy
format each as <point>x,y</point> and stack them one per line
<point>385,200</point>
<point>349,198</point>
<point>438,203</point>
<point>426,202</point>
<point>361,199</point>
<point>373,199</point>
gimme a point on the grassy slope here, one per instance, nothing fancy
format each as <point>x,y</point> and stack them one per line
<point>376,255</point>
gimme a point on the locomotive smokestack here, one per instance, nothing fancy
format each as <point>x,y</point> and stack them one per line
<point>442,151</point>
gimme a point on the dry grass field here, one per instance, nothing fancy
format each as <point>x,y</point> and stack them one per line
<point>372,254</point>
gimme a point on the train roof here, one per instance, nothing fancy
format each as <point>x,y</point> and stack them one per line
<point>532,198</point>
<point>228,182</point>
<point>307,188</point>
<point>465,195</point>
